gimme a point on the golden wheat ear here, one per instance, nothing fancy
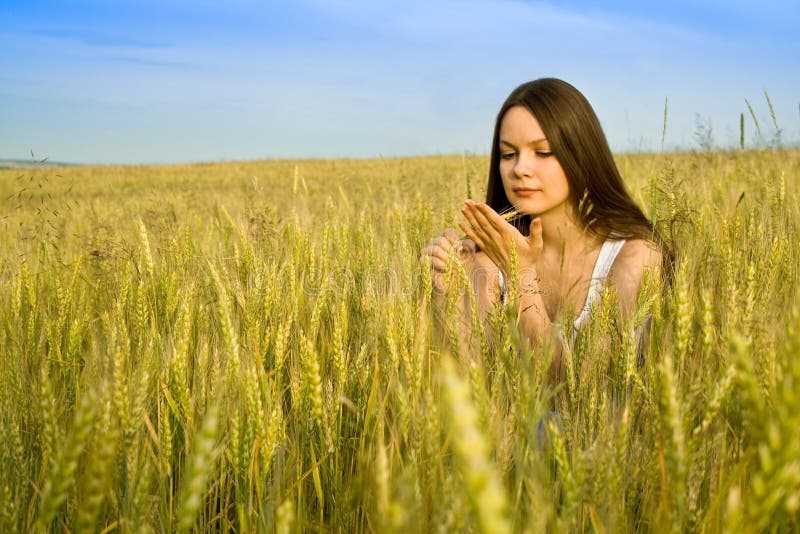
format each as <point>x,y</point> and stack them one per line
<point>509,215</point>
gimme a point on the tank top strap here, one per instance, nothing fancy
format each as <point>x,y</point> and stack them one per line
<point>602,267</point>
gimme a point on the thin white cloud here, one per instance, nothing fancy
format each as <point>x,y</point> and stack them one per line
<point>391,78</point>
<point>497,21</point>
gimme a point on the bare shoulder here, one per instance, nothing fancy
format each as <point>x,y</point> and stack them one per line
<point>636,257</point>
<point>638,254</point>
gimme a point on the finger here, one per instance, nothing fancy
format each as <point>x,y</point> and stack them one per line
<point>477,227</point>
<point>440,249</point>
<point>467,246</point>
<point>435,251</point>
<point>433,263</point>
<point>489,248</point>
<point>446,239</point>
<point>535,227</point>
<point>441,240</point>
<point>535,231</point>
<point>437,264</point>
<point>451,236</point>
<point>491,220</point>
<point>491,239</point>
<point>472,235</point>
<point>486,247</point>
<point>466,250</point>
<point>481,217</point>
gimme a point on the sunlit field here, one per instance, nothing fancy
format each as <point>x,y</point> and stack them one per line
<point>248,347</point>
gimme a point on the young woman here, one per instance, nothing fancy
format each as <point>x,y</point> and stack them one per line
<point>576,231</point>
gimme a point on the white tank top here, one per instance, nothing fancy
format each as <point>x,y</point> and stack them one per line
<point>608,253</point>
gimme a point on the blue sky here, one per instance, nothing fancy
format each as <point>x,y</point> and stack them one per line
<point>180,81</point>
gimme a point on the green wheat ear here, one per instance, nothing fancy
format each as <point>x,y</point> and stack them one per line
<point>467,176</point>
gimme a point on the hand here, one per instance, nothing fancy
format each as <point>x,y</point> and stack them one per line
<point>441,251</point>
<point>494,235</point>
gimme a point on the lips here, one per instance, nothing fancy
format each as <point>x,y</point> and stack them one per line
<point>525,192</point>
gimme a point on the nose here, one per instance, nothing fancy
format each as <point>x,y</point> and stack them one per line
<point>525,164</point>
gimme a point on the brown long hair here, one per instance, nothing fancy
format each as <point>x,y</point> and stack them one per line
<point>596,190</point>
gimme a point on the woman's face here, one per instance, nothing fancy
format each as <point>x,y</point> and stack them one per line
<point>533,179</point>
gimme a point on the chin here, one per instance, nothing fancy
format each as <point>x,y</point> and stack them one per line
<point>528,208</point>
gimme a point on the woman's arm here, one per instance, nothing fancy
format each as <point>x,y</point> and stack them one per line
<point>511,251</point>
<point>445,255</point>
<point>485,282</point>
<point>535,326</point>
<point>533,322</point>
<point>483,292</point>
<point>637,259</point>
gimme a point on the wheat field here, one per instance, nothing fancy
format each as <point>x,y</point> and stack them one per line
<point>247,347</point>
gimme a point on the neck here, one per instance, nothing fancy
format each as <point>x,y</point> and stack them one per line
<point>563,236</point>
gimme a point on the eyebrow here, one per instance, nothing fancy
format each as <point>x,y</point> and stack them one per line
<point>535,141</point>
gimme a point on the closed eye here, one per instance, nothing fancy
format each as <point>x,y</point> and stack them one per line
<point>507,155</point>
<point>544,153</point>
